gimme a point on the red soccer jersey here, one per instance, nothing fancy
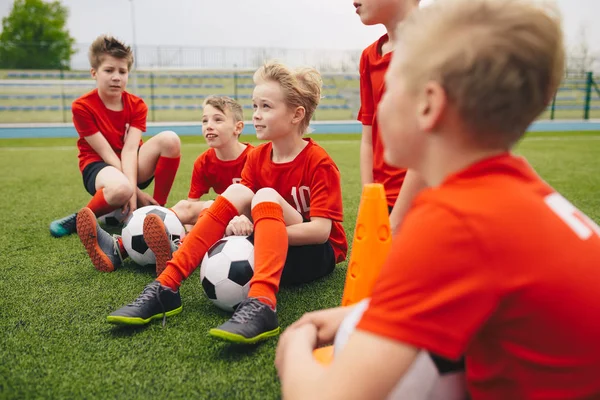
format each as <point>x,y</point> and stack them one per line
<point>310,183</point>
<point>210,172</point>
<point>90,116</point>
<point>373,66</point>
<point>496,265</point>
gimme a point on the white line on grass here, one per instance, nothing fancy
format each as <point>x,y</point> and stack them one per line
<point>324,142</point>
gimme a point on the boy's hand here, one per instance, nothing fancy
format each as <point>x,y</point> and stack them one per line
<point>144,199</point>
<point>327,323</point>
<point>300,339</point>
<point>239,226</point>
<point>131,205</point>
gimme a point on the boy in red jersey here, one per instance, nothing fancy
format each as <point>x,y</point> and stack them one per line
<point>374,63</point>
<point>491,262</point>
<point>110,121</point>
<point>290,190</point>
<point>217,168</point>
<point>221,165</point>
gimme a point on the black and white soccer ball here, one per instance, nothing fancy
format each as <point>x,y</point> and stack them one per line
<point>226,271</point>
<point>113,218</point>
<point>133,233</point>
<point>428,378</point>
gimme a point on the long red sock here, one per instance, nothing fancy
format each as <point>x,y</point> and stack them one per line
<point>270,251</point>
<point>208,229</point>
<point>164,175</point>
<point>98,204</point>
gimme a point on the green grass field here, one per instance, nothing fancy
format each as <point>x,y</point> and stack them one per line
<point>55,342</point>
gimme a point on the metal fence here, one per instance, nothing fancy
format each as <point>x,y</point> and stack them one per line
<point>221,58</point>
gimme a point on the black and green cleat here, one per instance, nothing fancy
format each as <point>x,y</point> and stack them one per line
<point>64,226</point>
<point>155,302</point>
<point>252,322</point>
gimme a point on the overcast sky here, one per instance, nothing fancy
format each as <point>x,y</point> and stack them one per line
<point>300,24</point>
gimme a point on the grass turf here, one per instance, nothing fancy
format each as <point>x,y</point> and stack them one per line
<point>55,341</point>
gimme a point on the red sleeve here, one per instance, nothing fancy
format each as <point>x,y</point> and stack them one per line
<point>367,108</point>
<point>198,186</point>
<point>139,114</point>
<point>436,289</point>
<point>326,193</point>
<point>84,121</point>
<point>248,178</point>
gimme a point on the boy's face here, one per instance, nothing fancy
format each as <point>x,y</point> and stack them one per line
<point>373,12</point>
<point>111,76</point>
<point>219,128</point>
<point>272,117</point>
<point>399,120</point>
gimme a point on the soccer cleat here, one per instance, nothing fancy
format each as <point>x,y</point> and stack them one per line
<point>64,226</point>
<point>251,322</point>
<point>100,245</point>
<point>158,240</point>
<point>156,301</point>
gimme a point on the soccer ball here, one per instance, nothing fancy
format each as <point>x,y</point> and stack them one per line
<point>226,271</point>
<point>133,233</point>
<point>426,379</point>
<point>113,218</point>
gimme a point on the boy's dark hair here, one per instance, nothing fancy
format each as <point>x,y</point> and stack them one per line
<point>105,45</point>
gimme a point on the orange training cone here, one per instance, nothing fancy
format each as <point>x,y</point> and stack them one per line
<point>371,245</point>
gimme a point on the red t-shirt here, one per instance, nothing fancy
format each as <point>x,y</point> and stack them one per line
<point>373,66</point>
<point>210,172</point>
<point>91,116</point>
<point>496,265</point>
<point>310,183</point>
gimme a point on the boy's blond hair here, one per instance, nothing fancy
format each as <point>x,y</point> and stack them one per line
<point>105,45</point>
<point>499,61</point>
<point>223,103</point>
<point>301,87</point>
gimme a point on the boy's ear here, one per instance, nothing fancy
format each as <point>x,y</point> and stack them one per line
<point>239,127</point>
<point>299,114</point>
<point>432,106</point>
<point>93,73</point>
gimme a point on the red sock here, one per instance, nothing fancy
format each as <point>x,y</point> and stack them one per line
<point>164,175</point>
<point>122,250</point>
<point>270,251</point>
<point>98,204</point>
<point>201,214</point>
<point>204,234</point>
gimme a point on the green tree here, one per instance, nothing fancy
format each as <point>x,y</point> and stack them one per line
<point>34,36</point>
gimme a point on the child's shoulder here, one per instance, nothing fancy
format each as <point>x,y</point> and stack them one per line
<point>133,99</point>
<point>317,155</point>
<point>373,50</point>
<point>88,99</point>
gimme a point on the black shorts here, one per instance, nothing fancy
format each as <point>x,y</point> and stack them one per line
<point>306,263</point>
<point>91,171</point>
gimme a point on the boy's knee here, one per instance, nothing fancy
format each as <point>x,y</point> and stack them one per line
<point>265,195</point>
<point>118,193</point>
<point>170,143</point>
<point>238,195</point>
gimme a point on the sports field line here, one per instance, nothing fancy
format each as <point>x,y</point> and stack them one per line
<point>190,145</point>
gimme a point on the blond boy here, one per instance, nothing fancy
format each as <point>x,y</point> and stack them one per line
<point>491,262</point>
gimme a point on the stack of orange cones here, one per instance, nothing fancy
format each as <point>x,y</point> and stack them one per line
<point>370,247</point>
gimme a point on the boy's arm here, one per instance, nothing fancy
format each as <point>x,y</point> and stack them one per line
<point>129,160</point>
<point>412,185</point>
<point>101,146</point>
<point>366,155</point>
<point>355,373</point>
<point>314,232</point>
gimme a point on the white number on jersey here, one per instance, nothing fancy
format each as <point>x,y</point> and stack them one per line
<point>575,219</point>
<point>303,194</point>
